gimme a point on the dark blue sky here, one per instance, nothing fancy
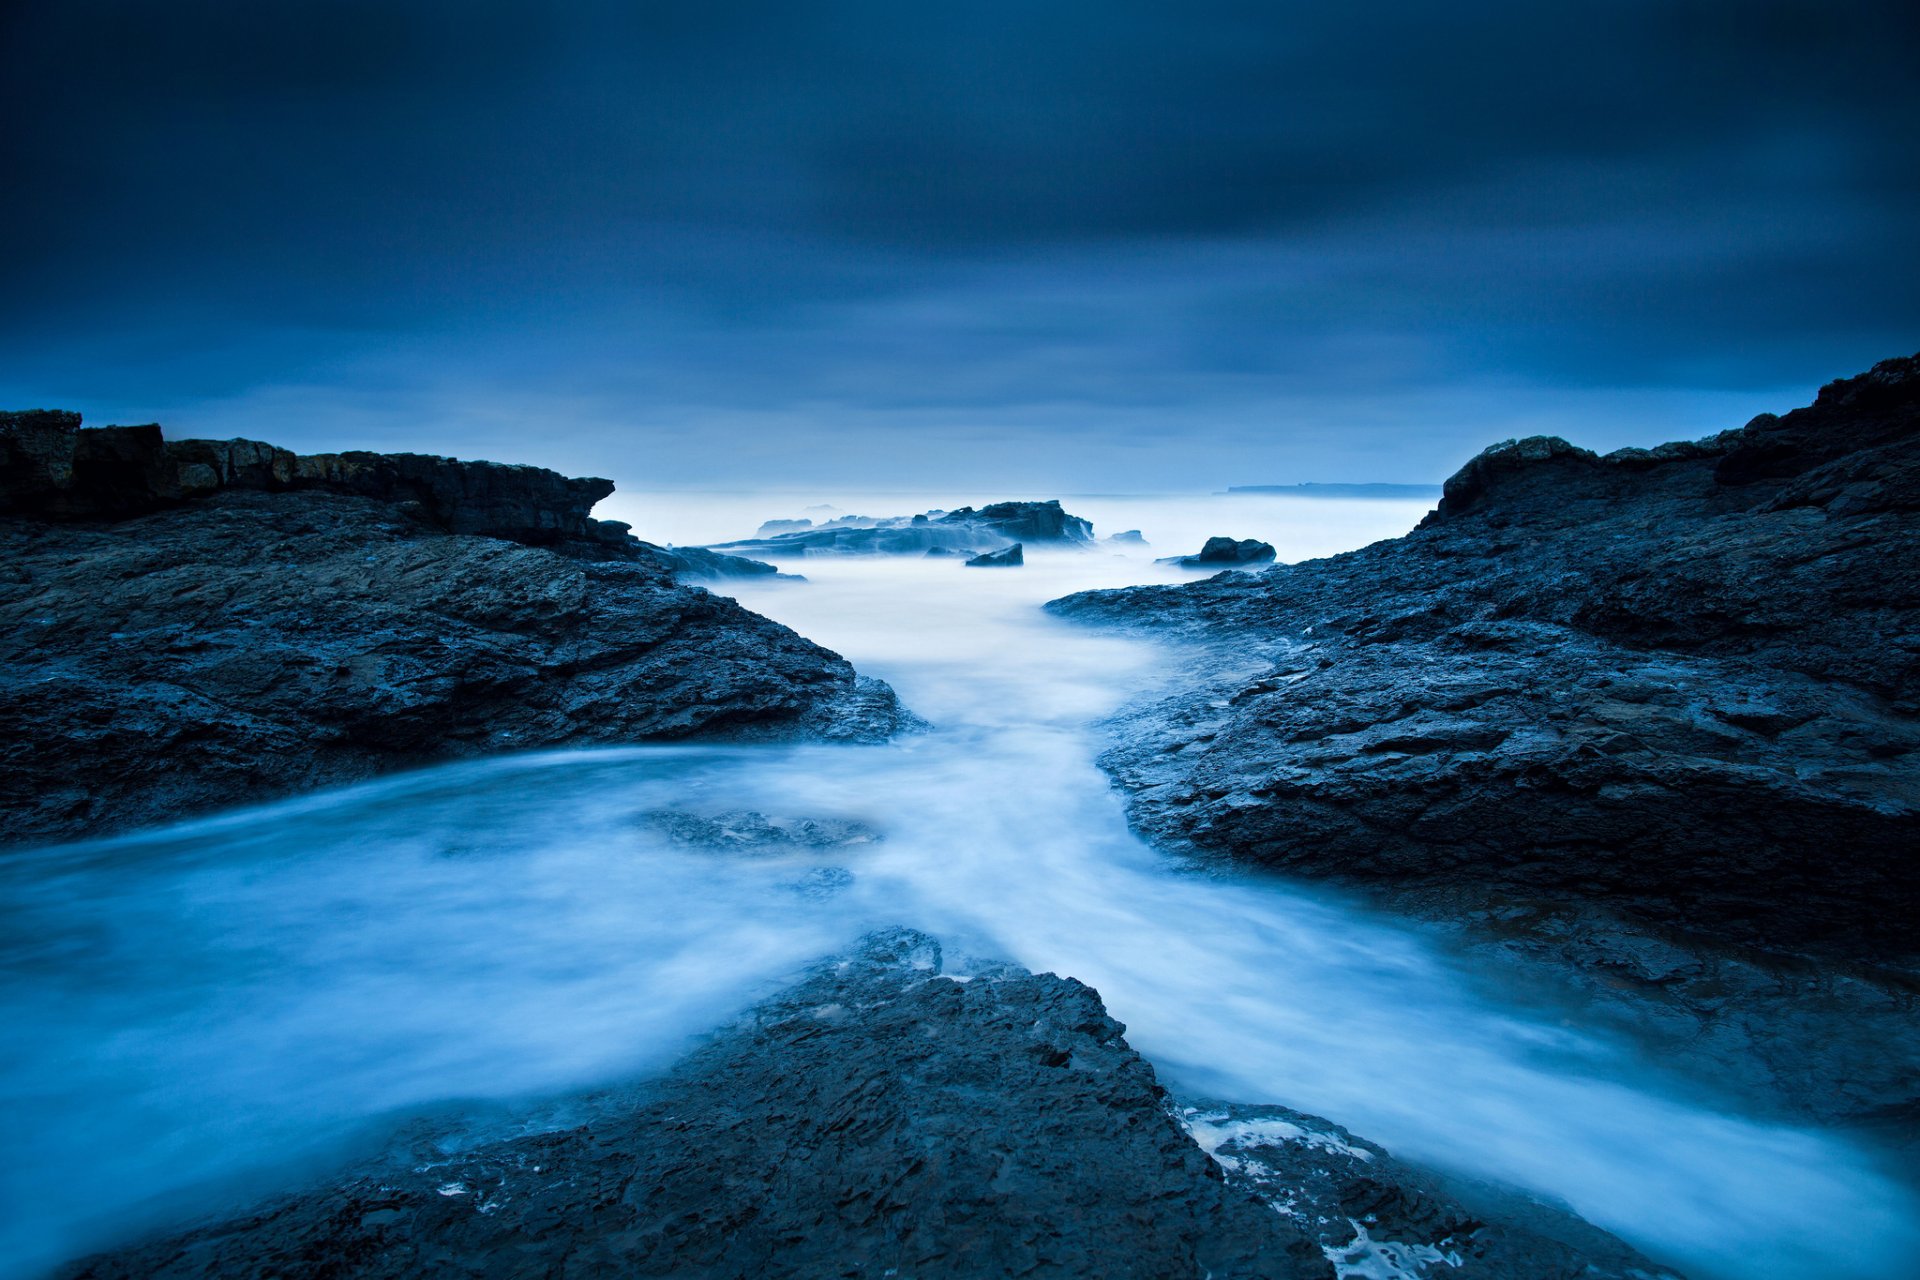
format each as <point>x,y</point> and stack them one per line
<point>1071,245</point>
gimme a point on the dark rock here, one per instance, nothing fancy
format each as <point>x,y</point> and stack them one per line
<point>880,1119</point>
<point>1025,521</point>
<point>934,553</point>
<point>877,1119</point>
<point>1013,556</point>
<point>698,563</point>
<point>20,421</point>
<point>1225,553</point>
<point>285,631</point>
<point>746,831</point>
<point>1378,1216</point>
<point>1671,693</point>
<point>965,531</point>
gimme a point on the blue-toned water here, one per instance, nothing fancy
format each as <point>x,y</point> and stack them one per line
<point>200,1014</point>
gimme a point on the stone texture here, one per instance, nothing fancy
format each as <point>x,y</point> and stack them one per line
<point>309,621</point>
<point>879,1119</point>
<point>1667,695</point>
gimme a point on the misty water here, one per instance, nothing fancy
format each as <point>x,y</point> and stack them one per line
<point>207,1012</point>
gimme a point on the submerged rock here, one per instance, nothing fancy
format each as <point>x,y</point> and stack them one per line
<point>1225,553</point>
<point>877,1119</point>
<point>174,643</point>
<point>747,831</point>
<point>1012,557</point>
<point>1667,695</point>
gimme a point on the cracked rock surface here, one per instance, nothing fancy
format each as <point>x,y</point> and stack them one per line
<point>1648,718</point>
<point>294,623</point>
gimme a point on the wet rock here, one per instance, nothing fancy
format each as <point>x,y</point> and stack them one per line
<point>880,1119</point>
<point>1012,557</point>
<point>1378,1216</point>
<point>697,563</point>
<point>1670,693</point>
<point>1225,553</point>
<point>748,831</point>
<point>311,621</point>
<point>877,1119</point>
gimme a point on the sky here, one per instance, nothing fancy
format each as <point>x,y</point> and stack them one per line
<point>1093,247</point>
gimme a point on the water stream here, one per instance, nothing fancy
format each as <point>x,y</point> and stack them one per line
<point>216,1008</point>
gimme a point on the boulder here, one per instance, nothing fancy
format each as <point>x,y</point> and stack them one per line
<point>1225,553</point>
<point>1012,557</point>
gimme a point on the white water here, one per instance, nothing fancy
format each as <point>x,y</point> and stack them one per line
<point>227,1002</point>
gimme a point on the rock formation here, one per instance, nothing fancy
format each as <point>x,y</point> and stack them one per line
<point>190,624</point>
<point>883,1119</point>
<point>1224,553</point>
<point>990,528</point>
<point>1649,716</point>
<point>1012,557</point>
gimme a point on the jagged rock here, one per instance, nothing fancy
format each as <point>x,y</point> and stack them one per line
<point>965,530</point>
<point>1225,553</point>
<point>769,528</point>
<point>1127,537</point>
<point>1025,521</point>
<point>1668,694</point>
<point>877,1119</point>
<point>1012,557</point>
<point>290,629</point>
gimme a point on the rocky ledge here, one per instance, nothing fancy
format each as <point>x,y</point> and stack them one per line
<point>191,624</point>
<point>1648,717</point>
<point>883,1119</point>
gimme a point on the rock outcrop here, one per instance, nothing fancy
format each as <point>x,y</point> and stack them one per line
<point>1013,557</point>
<point>193,624</point>
<point>1224,553</point>
<point>883,1119</point>
<point>965,530</point>
<point>1650,716</point>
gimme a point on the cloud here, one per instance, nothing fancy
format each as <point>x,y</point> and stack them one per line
<point>995,220</point>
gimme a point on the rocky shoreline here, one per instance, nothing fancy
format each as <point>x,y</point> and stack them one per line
<point>194,624</point>
<point>886,1118</point>
<point>1650,721</point>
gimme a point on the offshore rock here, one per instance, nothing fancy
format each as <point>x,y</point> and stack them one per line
<point>1012,557</point>
<point>966,530</point>
<point>304,622</point>
<point>1650,718</point>
<point>1225,553</point>
<point>877,1119</point>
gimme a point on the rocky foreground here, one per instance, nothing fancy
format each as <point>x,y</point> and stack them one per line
<point>191,624</point>
<point>1651,718</point>
<point>882,1119</point>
